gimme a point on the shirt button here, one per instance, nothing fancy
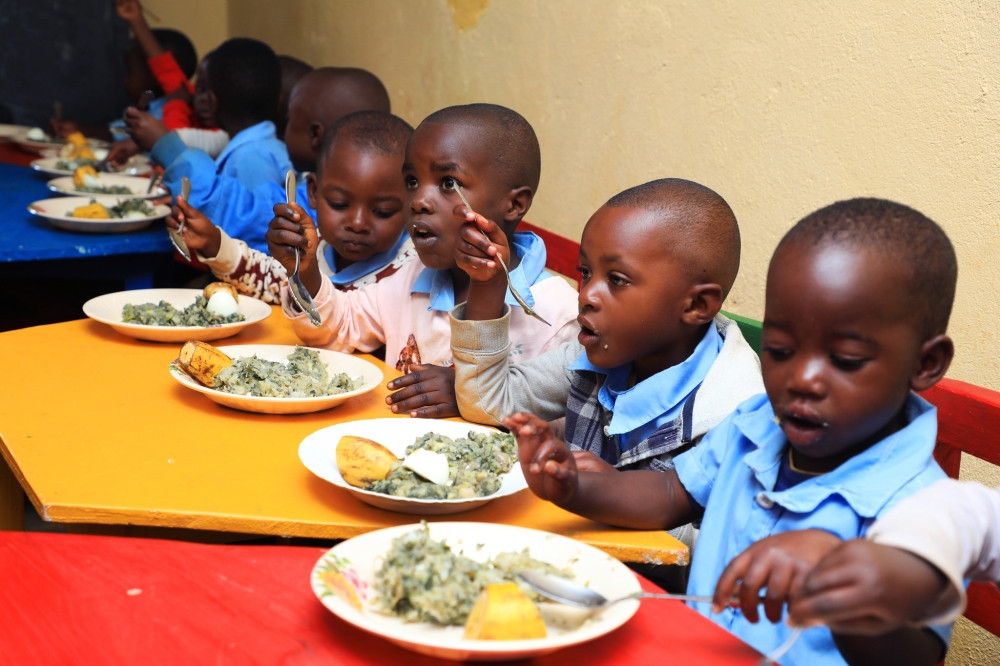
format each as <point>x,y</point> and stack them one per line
<point>607,431</point>
<point>764,501</point>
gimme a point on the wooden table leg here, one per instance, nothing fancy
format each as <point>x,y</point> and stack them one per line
<point>11,499</point>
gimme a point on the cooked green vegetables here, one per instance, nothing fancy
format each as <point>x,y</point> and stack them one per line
<point>475,464</point>
<point>305,376</point>
<point>422,580</point>
<point>165,314</point>
<point>104,189</point>
<point>74,163</point>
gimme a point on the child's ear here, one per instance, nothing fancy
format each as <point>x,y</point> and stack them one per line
<point>316,132</point>
<point>704,302</point>
<point>519,203</point>
<point>935,358</point>
<point>312,189</point>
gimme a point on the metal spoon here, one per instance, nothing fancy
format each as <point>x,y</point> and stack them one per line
<point>574,594</point>
<point>177,237</point>
<point>298,290</point>
<point>510,285</point>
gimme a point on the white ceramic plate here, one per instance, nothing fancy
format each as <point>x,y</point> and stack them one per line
<point>350,567</point>
<point>55,211</point>
<point>335,362</point>
<point>138,186</point>
<point>137,165</point>
<point>107,309</point>
<point>12,131</point>
<point>21,139</point>
<point>318,452</point>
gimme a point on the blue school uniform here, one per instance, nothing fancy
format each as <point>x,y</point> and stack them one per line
<point>738,475</point>
<point>360,269</point>
<point>529,248</point>
<point>242,212</point>
<point>638,411</point>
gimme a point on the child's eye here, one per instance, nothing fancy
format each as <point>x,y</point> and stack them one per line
<point>777,353</point>
<point>617,280</point>
<point>384,214</point>
<point>411,182</point>
<point>448,183</point>
<point>584,272</point>
<point>848,363</point>
<point>337,205</point>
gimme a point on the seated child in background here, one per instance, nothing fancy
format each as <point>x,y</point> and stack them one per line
<point>319,99</point>
<point>911,566</point>
<point>244,78</point>
<point>292,71</point>
<point>492,153</point>
<point>857,304</point>
<point>359,199</point>
<point>654,366</point>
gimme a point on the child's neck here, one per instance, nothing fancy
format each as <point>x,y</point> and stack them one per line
<point>340,263</point>
<point>234,127</point>
<point>660,360</point>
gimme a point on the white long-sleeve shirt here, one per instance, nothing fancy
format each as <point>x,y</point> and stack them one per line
<point>955,526</point>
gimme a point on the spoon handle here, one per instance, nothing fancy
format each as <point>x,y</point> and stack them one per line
<point>679,597</point>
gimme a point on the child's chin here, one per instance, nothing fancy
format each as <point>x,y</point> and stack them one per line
<point>803,439</point>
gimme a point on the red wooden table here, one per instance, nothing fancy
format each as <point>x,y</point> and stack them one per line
<point>67,599</point>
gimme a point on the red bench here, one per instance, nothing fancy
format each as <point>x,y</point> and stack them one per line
<point>968,419</point>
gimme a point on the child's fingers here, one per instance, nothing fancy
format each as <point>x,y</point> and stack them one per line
<point>779,583</point>
<point>725,588</point>
<point>474,243</point>
<point>280,236</point>
<point>289,212</point>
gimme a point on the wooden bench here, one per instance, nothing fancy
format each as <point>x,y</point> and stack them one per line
<point>968,419</point>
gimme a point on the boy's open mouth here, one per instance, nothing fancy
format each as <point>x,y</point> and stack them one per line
<point>421,234</point>
<point>588,336</point>
<point>802,426</point>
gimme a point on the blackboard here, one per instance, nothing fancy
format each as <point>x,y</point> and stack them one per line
<point>67,51</point>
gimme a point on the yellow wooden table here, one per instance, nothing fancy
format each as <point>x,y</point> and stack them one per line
<point>96,431</point>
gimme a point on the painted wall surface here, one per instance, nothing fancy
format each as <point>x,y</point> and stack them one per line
<point>205,22</point>
<point>780,107</point>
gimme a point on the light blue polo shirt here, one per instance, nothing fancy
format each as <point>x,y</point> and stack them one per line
<point>529,248</point>
<point>732,475</point>
<point>255,156</point>
<point>638,411</point>
<point>359,269</point>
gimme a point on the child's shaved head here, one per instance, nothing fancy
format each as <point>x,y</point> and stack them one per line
<point>330,93</point>
<point>900,234</point>
<point>504,135</point>
<point>699,227</point>
<point>370,131</point>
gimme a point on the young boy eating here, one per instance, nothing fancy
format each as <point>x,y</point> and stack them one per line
<point>244,78</point>
<point>655,366</point>
<point>490,152</point>
<point>358,197</point>
<point>858,299</point>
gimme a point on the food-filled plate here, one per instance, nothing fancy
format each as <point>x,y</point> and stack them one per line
<point>12,131</point>
<point>137,165</point>
<point>110,309</point>
<point>110,216</point>
<point>283,371</point>
<point>107,186</point>
<point>319,453</point>
<point>347,580</point>
<point>35,140</point>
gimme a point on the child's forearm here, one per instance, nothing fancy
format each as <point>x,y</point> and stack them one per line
<point>147,41</point>
<point>486,299</point>
<point>910,645</point>
<point>639,499</point>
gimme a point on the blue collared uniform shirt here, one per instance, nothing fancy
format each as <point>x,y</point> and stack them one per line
<point>255,156</point>
<point>655,401</point>
<point>529,248</point>
<point>358,270</point>
<point>243,212</point>
<point>732,474</point>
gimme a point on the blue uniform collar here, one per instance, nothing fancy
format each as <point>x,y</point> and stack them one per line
<point>657,395</point>
<point>358,270</point>
<point>867,481</point>
<point>528,247</point>
<point>259,132</point>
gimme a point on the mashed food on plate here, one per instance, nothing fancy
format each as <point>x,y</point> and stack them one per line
<point>131,209</point>
<point>304,376</point>
<point>475,463</point>
<point>422,580</point>
<point>165,314</point>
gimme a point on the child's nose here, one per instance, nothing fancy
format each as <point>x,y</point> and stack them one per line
<point>589,298</point>
<point>422,201</point>
<point>808,377</point>
<point>357,223</point>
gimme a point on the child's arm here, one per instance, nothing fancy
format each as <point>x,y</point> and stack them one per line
<point>637,499</point>
<point>251,271</point>
<point>131,11</point>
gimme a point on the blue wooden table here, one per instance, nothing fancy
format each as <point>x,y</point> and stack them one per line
<point>30,246</point>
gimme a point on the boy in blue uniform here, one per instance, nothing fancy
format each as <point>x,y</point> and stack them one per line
<point>244,78</point>
<point>858,299</point>
<point>320,99</point>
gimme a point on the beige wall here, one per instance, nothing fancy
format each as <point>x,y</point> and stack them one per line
<point>782,107</point>
<point>205,22</point>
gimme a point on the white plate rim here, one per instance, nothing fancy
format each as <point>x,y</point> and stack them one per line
<point>160,211</point>
<point>88,310</point>
<point>56,185</point>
